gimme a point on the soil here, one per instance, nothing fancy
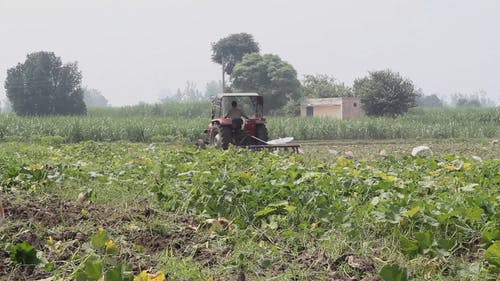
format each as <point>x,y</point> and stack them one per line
<point>37,219</point>
<point>362,267</point>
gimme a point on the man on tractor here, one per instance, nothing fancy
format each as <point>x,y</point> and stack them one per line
<point>235,114</point>
<point>226,126</point>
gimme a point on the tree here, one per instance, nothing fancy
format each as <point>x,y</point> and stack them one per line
<point>212,89</point>
<point>324,86</point>
<point>231,50</point>
<point>429,101</point>
<point>42,85</point>
<point>268,75</point>
<point>385,93</point>
<point>189,94</point>
<point>476,99</point>
<point>93,98</point>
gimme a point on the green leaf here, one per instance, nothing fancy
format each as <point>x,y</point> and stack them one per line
<point>50,266</point>
<point>492,254</point>
<point>446,244</point>
<point>393,215</point>
<point>264,212</point>
<point>393,273</point>
<point>425,240</point>
<point>91,271</point>
<point>413,211</point>
<point>120,272</point>
<point>279,204</point>
<point>99,239</point>
<point>408,247</point>
<point>474,214</point>
<point>491,235</point>
<point>290,208</point>
<point>24,253</point>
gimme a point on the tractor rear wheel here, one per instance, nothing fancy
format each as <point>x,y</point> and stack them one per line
<point>221,137</point>
<point>225,137</point>
<point>261,133</point>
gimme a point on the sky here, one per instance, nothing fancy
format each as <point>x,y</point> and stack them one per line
<point>132,50</point>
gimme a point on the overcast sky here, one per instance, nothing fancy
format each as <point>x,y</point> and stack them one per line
<point>131,50</point>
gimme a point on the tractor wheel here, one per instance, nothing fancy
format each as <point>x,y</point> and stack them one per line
<point>225,137</point>
<point>220,137</point>
<point>261,133</point>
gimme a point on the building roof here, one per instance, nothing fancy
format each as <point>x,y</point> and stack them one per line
<point>322,101</point>
<point>326,101</point>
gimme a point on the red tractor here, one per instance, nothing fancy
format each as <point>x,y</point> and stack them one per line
<point>252,133</point>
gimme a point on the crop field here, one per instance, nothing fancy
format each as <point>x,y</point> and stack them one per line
<point>186,122</point>
<point>163,211</point>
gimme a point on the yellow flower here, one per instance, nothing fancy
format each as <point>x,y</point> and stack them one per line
<point>50,241</point>
<point>434,173</point>
<point>388,178</point>
<point>145,276</point>
<point>111,247</point>
<point>36,167</point>
<point>450,167</point>
<point>355,173</point>
<point>467,166</point>
<point>84,212</point>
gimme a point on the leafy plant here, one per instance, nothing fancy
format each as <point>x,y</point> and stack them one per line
<point>103,265</point>
<point>24,253</point>
<point>492,254</point>
<point>393,273</point>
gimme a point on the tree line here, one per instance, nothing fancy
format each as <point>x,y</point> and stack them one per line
<point>382,92</point>
<point>43,85</point>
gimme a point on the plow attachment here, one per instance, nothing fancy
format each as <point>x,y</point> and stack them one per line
<point>274,147</point>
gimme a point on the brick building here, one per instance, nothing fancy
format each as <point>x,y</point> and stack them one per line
<point>340,108</point>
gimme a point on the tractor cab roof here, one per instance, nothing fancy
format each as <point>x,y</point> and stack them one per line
<point>251,103</point>
<point>238,95</point>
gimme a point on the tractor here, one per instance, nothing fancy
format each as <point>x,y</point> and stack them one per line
<point>251,134</point>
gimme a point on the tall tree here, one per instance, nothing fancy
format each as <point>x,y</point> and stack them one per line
<point>385,93</point>
<point>268,75</point>
<point>429,101</point>
<point>231,49</point>
<point>324,86</point>
<point>42,85</point>
<point>189,94</point>
<point>212,89</point>
<point>476,99</point>
<point>93,98</point>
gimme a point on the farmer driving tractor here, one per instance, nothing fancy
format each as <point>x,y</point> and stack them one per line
<point>235,114</point>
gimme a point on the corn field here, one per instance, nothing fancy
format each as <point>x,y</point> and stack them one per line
<point>186,122</point>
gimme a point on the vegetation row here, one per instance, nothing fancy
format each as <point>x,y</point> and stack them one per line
<point>160,123</point>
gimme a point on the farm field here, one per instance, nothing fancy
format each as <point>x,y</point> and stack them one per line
<point>87,209</point>
<point>186,122</point>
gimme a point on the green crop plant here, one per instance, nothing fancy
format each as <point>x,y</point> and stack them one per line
<point>260,214</point>
<point>146,123</point>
